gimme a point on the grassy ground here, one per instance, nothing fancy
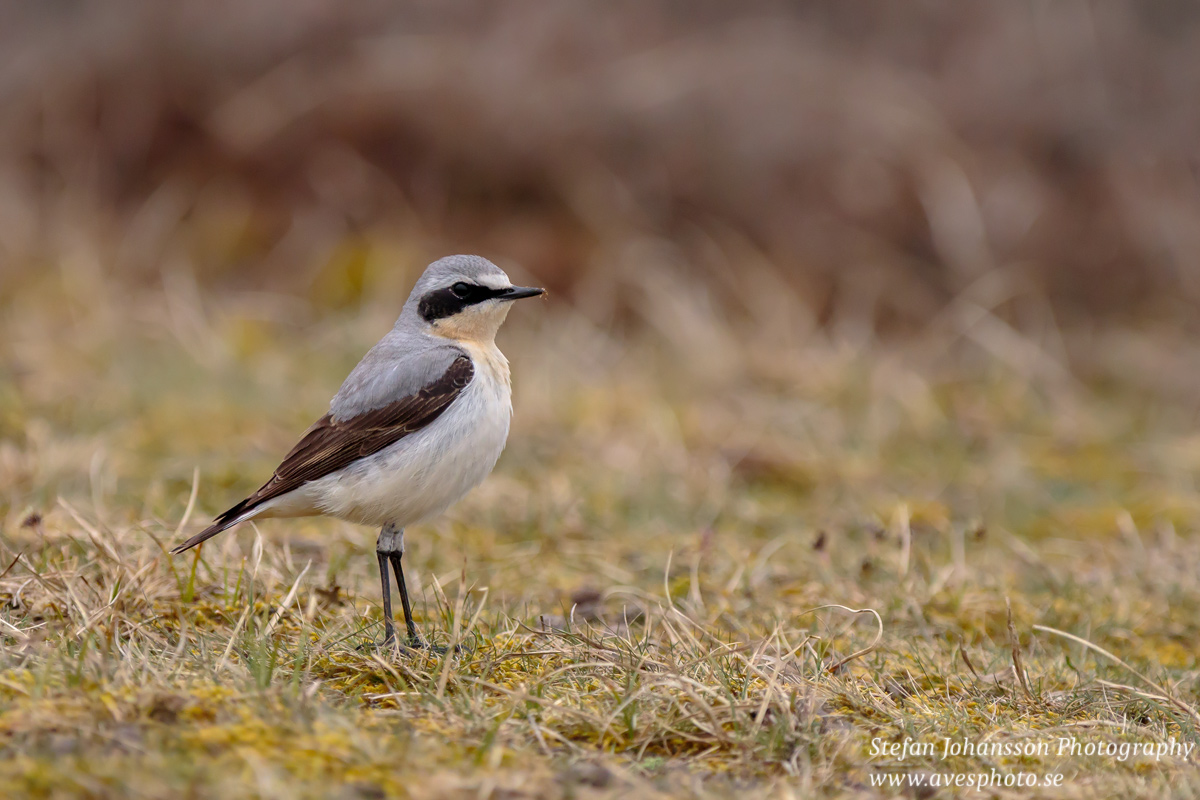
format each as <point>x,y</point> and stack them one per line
<point>715,560</point>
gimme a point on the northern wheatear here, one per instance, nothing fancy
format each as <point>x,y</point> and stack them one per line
<point>418,423</point>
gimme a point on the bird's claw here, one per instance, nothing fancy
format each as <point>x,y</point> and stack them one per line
<point>414,644</point>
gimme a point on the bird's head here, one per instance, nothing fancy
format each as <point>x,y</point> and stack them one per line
<point>464,298</point>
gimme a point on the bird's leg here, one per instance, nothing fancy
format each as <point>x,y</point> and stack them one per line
<point>389,628</point>
<point>395,556</point>
<point>390,547</point>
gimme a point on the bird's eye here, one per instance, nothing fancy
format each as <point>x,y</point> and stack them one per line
<point>461,290</point>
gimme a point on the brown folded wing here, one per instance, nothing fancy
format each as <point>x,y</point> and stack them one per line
<point>329,445</point>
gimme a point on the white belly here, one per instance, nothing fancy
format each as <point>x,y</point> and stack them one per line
<point>421,475</point>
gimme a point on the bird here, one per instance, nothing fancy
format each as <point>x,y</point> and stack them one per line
<point>419,423</point>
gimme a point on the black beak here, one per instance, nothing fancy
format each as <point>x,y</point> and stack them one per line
<point>519,292</point>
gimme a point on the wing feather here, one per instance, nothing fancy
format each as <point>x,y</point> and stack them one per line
<point>332,444</point>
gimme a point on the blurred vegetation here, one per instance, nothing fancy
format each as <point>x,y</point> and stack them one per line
<point>854,308</point>
<point>884,159</point>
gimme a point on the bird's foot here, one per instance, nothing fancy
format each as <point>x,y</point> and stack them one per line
<point>418,644</point>
<point>412,644</point>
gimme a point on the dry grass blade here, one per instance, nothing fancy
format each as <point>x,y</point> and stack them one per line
<point>287,601</point>
<point>1015,644</point>
<point>1162,690</point>
<point>455,633</point>
<point>237,628</point>
<point>836,666</point>
<point>191,504</point>
<point>97,538</point>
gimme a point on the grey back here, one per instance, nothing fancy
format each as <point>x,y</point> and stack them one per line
<point>408,357</point>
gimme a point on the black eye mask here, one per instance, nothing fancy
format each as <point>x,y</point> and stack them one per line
<point>442,303</point>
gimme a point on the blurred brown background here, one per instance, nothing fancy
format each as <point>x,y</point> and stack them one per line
<point>883,158</point>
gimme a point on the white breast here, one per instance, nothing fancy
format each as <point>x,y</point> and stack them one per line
<point>426,472</point>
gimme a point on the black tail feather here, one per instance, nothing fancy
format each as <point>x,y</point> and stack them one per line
<point>222,522</point>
